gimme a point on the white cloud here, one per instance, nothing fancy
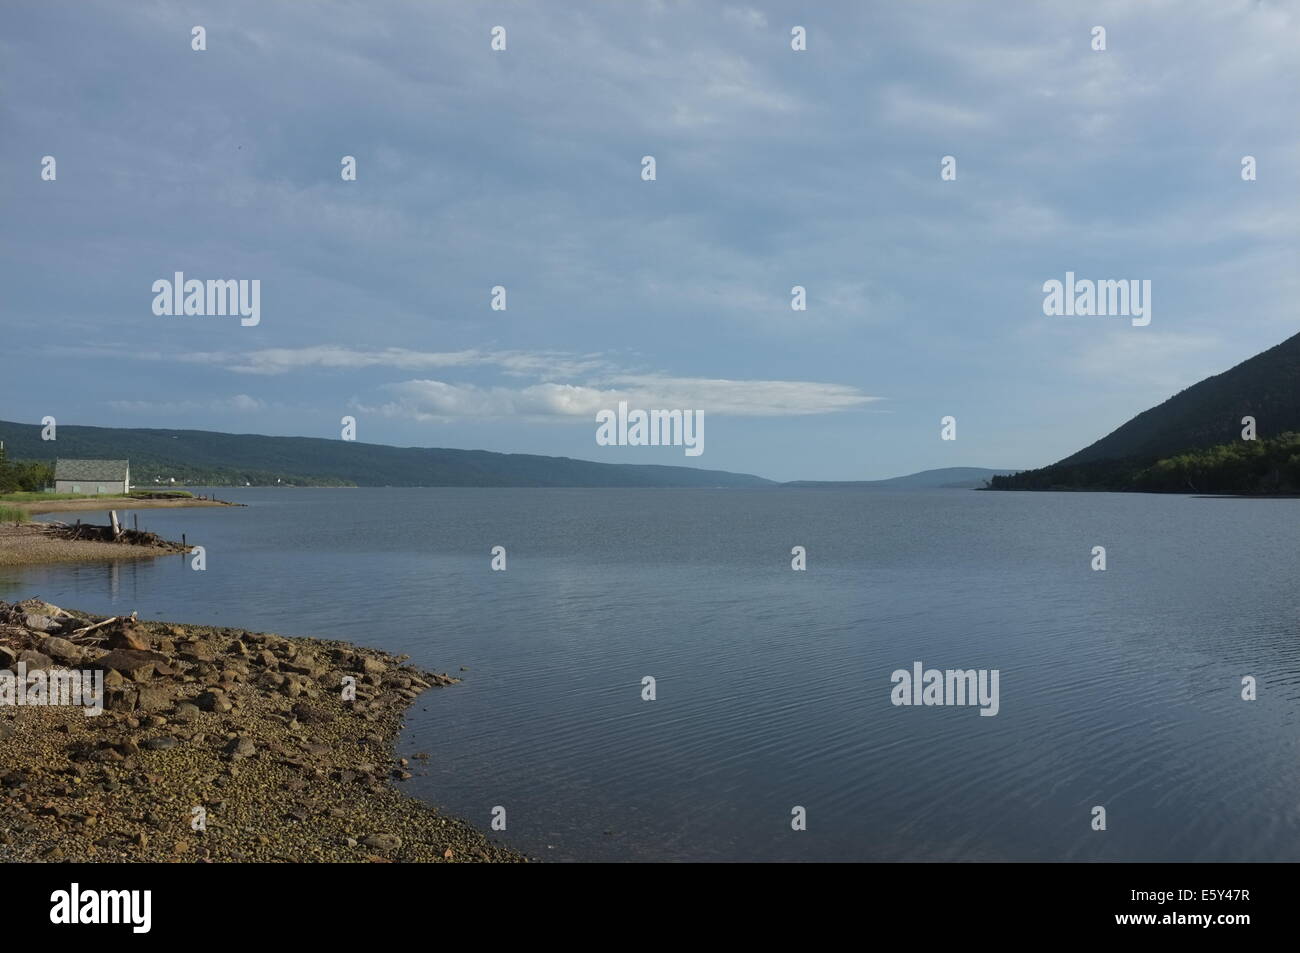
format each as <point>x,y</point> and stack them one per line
<point>432,399</point>
<point>283,360</point>
<point>239,403</point>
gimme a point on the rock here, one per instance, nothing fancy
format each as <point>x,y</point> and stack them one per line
<point>385,842</point>
<point>8,656</point>
<point>129,637</point>
<point>373,666</point>
<point>303,665</point>
<point>185,712</point>
<point>160,744</point>
<point>131,663</point>
<point>241,748</point>
<point>62,650</point>
<point>34,660</point>
<point>41,623</point>
<point>214,701</point>
<point>201,652</point>
<point>119,699</point>
<point>43,608</point>
<point>153,698</point>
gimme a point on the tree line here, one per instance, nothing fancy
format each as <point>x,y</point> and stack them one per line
<point>24,475</point>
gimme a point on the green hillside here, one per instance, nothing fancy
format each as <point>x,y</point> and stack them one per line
<point>206,458</point>
<point>1204,416</point>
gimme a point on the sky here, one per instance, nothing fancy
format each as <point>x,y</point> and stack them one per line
<point>523,168</point>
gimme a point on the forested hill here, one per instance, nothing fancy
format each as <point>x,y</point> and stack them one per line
<point>1204,416</point>
<point>207,458</point>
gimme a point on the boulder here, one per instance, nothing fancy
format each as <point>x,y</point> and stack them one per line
<point>62,650</point>
<point>120,699</point>
<point>199,652</point>
<point>214,701</point>
<point>153,698</point>
<point>35,660</point>
<point>241,748</point>
<point>185,712</point>
<point>129,637</point>
<point>135,665</point>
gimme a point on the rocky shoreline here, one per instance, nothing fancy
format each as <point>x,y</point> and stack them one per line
<point>215,745</point>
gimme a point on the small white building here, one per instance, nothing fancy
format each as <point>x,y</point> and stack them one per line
<point>92,476</point>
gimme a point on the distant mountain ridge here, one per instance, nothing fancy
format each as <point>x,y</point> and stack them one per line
<point>1208,414</point>
<point>209,458</point>
<point>944,478</point>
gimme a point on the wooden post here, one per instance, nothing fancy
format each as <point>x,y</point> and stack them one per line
<point>117,527</point>
<point>183,543</point>
<point>135,522</point>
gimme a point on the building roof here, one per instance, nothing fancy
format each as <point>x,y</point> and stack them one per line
<point>91,470</point>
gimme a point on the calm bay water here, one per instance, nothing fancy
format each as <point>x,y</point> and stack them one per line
<point>1118,688</point>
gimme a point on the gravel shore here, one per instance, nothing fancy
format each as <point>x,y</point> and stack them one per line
<point>108,503</point>
<point>26,544</point>
<point>247,731</point>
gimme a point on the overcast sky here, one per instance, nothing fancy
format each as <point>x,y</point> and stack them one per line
<point>522,168</point>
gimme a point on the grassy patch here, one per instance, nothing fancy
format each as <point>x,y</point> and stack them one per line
<point>9,514</point>
<point>31,497</point>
